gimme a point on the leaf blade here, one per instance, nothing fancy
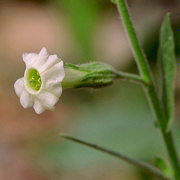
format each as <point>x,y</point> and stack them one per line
<point>168,69</point>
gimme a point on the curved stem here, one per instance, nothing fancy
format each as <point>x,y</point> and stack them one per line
<point>138,53</point>
<point>146,74</point>
<point>147,167</point>
<point>131,77</point>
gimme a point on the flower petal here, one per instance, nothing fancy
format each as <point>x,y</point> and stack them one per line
<point>54,75</point>
<point>26,99</point>
<point>38,107</point>
<point>19,86</point>
<point>56,90</point>
<point>52,60</point>
<point>48,99</point>
<point>29,58</point>
<point>41,59</point>
<point>43,52</point>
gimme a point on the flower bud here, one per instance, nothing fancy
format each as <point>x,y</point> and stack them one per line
<point>95,75</point>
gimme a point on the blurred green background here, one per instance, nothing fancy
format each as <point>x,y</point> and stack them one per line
<point>117,117</point>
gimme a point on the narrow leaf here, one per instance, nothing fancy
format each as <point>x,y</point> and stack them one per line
<point>145,166</point>
<point>168,69</point>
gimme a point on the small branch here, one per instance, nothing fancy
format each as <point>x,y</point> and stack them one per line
<point>147,167</point>
<point>131,78</point>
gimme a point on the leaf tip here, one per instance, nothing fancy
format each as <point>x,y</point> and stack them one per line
<point>63,135</point>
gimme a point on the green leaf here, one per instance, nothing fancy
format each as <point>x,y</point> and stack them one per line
<point>167,69</point>
<point>144,166</point>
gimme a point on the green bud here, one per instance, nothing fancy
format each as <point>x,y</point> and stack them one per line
<point>95,75</point>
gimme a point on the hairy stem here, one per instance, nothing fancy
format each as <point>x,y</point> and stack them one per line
<point>138,53</point>
<point>147,167</point>
<point>167,136</point>
<point>146,74</point>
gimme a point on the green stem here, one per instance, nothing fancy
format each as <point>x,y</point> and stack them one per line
<point>147,167</point>
<point>131,78</point>
<point>139,55</point>
<point>146,74</point>
<point>167,136</point>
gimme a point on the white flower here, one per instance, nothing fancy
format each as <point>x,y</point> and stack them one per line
<point>41,85</point>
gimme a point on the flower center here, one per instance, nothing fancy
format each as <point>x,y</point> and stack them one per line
<point>34,79</point>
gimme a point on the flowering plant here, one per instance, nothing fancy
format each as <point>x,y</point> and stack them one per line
<point>45,76</point>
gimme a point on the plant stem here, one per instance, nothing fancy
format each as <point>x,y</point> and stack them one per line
<point>139,55</point>
<point>167,136</point>
<point>147,167</point>
<point>131,78</point>
<point>146,74</point>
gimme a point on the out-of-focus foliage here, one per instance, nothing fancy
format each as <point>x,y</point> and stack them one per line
<point>82,16</point>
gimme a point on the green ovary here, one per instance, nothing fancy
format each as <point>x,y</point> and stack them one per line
<point>34,79</point>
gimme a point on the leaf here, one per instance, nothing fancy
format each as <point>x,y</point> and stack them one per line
<point>143,165</point>
<point>168,69</point>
